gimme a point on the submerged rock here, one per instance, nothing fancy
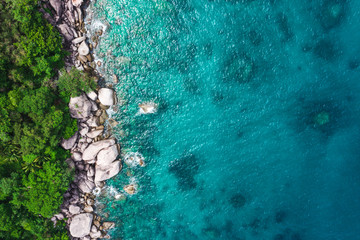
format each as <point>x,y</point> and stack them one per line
<point>106,96</point>
<point>238,200</point>
<point>238,67</point>
<point>81,224</point>
<point>332,13</point>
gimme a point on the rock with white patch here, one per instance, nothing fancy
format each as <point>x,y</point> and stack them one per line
<point>80,107</point>
<point>106,96</point>
<point>81,224</point>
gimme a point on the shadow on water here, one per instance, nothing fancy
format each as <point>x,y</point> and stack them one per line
<point>185,169</point>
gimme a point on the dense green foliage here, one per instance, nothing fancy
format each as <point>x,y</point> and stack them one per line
<point>72,84</point>
<point>33,118</point>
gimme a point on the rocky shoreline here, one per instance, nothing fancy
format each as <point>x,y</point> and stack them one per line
<point>94,152</point>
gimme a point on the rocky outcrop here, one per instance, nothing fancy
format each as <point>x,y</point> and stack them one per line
<point>93,155</point>
<point>93,149</point>
<point>106,156</point>
<point>106,96</point>
<point>80,107</point>
<point>93,152</point>
<point>103,173</point>
<point>80,225</point>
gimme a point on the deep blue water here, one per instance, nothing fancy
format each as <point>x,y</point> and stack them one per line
<point>257,135</point>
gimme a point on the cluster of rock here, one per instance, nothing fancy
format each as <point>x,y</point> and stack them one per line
<point>67,16</point>
<point>93,152</point>
<point>94,157</point>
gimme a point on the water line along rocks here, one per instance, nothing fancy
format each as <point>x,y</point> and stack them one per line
<point>93,152</point>
<point>94,157</point>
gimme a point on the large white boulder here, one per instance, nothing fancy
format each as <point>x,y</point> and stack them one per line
<point>94,148</point>
<point>107,156</point>
<point>81,224</point>
<point>83,49</point>
<point>104,173</point>
<point>106,96</point>
<point>80,107</point>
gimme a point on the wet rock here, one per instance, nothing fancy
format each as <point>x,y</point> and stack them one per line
<point>80,107</point>
<point>69,143</point>
<point>148,108</point>
<point>80,225</point>
<point>83,49</point>
<point>94,148</point>
<point>107,156</point>
<point>130,189</point>
<point>88,209</point>
<point>73,209</point>
<point>105,173</point>
<point>108,225</point>
<point>106,96</point>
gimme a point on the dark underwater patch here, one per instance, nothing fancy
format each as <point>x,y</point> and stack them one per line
<point>255,37</point>
<point>237,200</point>
<point>325,49</point>
<point>185,169</point>
<point>191,85</point>
<point>282,22</point>
<point>280,216</point>
<point>323,116</point>
<point>332,13</point>
<point>238,67</point>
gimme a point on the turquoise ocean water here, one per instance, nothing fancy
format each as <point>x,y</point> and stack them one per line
<point>257,135</point>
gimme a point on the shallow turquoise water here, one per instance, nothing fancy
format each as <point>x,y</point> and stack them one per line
<point>257,132</point>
